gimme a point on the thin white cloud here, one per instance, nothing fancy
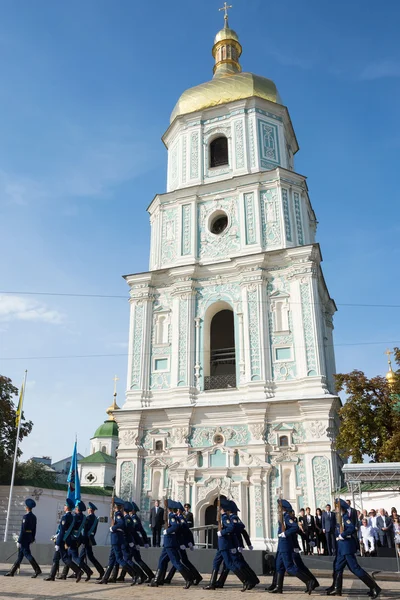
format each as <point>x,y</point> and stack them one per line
<point>90,170</point>
<point>17,308</point>
<point>381,69</point>
<point>288,60</point>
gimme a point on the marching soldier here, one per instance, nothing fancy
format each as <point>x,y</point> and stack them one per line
<point>63,542</point>
<point>298,561</point>
<point>170,550</point>
<point>26,538</point>
<point>346,555</point>
<point>88,540</point>
<point>287,528</point>
<point>226,550</point>
<point>140,539</point>
<point>117,542</point>
<point>240,535</point>
<point>186,540</point>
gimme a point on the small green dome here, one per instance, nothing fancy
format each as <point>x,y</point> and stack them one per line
<point>106,430</point>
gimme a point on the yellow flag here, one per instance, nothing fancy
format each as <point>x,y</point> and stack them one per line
<point>19,408</point>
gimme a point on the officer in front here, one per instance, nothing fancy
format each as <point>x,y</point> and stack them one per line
<point>284,559</point>
<point>25,539</point>
<point>346,555</point>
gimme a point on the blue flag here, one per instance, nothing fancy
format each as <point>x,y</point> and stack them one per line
<point>74,485</point>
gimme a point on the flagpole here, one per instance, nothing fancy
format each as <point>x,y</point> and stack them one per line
<point>15,458</point>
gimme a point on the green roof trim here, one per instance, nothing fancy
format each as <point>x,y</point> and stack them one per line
<point>96,491</point>
<point>106,430</point>
<point>377,486</point>
<point>98,458</point>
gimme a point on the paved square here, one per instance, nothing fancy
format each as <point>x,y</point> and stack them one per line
<point>22,587</point>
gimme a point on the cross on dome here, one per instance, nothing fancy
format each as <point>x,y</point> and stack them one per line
<point>225,8</point>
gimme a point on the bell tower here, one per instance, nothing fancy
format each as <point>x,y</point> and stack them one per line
<point>231,361</point>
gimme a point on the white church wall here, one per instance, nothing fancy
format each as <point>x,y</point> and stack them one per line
<point>48,511</point>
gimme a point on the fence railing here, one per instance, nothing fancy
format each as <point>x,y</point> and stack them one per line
<point>203,535</point>
<point>219,382</point>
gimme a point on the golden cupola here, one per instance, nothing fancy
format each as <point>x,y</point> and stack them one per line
<point>229,82</point>
<point>390,375</point>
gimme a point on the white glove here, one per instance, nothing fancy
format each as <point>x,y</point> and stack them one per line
<point>297,550</point>
<point>251,548</point>
<point>110,528</point>
<point>182,547</point>
<point>219,534</point>
<point>138,547</point>
<point>282,534</point>
<point>164,531</point>
<point>340,538</point>
<point>147,545</point>
<point>233,550</point>
<point>131,545</point>
<point>190,545</point>
<point>18,545</point>
<point>240,550</point>
<point>57,548</point>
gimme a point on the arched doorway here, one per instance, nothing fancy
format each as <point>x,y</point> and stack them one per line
<point>222,356</point>
<point>211,518</point>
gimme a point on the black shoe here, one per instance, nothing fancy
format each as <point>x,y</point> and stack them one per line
<point>36,568</point>
<point>105,577</point>
<point>197,580</point>
<point>13,570</point>
<point>213,581</point>
<point>278,589</point>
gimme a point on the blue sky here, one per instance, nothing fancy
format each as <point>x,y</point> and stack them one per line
<point>86,93</point>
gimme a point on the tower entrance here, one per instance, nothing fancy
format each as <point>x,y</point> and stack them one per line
<point>211,518</point>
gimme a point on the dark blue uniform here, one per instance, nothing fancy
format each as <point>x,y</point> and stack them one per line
<point>27,536</point>
<point>346,549</point>
<point>88,541</point>
<point>345,555</point>
<point>76,537</point>
<point>284,558</point>
<point>117,542</point>
<point>25,539</point>
<point>62,544</point>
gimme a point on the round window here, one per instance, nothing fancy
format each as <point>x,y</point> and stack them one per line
<point>218,438</point>
<point>219,223</point>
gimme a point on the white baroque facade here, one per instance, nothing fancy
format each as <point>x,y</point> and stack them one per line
<point>231,361</point>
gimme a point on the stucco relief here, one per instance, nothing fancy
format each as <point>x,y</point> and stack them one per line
<point>225,243</point>
<point>317,429</point>
<point>257,431</point>
<point>129,437</point>
<point>222,485</point>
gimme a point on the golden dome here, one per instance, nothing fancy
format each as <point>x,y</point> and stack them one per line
<point>221,90</point>
<point>391,377</point>
<point>110,409</point>
<point>226,34</point>
<point>229,83</point>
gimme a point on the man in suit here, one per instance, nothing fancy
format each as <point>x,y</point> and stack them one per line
<point>353,516</point>
<point>156,523</point>
<point>329,529</point>
<point>189,516</point>
<point>385,529</point>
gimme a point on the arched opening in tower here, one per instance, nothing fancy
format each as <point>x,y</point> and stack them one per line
<point>219,152</point>
<point>222,351</point>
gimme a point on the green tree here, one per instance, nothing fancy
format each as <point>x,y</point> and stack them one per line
<point>8,429</point>
<point>33,473</point>
<point>369,418</point>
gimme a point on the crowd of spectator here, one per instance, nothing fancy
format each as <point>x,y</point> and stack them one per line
<point>374,528</point>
